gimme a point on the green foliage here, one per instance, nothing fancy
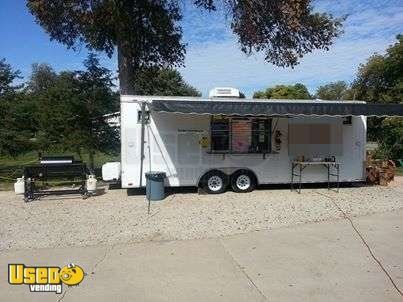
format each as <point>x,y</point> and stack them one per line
<point>7,77</point>
<point>60,112</point>
<point>154,81</point>
<point>259,95</point>
<point>297,92</point>
<point>283,30</point>
<point>42,77</point>
<point>65,112</point>
<point>335,91</point>
<point>370,84</point>
<point>55,116</point>
<point>15,125</point>
<point>96,99</point>
<point>147,33</point>
<point>148,28</point>
<point>380,80</point>
<point>14,133</point>
<point>72,111</point>
<point>389,134</point>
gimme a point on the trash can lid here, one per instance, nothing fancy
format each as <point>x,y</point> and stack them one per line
<point>155,174</point>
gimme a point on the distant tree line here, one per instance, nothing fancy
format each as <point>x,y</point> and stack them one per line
<point>296,92</point>
<point>65,111</point>
<point>339,90</point>
<point>379,80</point>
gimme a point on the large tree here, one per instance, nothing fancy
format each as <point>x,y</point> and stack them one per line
<point>380,80</point>
<point>296,92</point>
<point>148,33</point>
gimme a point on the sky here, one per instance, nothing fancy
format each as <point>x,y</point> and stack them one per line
<point>213,56</point>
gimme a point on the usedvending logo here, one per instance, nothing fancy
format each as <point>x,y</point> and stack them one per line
<point>45,278</point>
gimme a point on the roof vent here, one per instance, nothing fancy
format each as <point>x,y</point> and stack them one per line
<point>224,92</point>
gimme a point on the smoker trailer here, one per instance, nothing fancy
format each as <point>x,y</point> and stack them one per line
<point>222,141</point>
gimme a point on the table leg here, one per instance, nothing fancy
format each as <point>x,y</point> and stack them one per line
<point>300,178</point>
<point>328,176</point>
<point>292,176</point>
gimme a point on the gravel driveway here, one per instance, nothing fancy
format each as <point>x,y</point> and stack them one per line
<point>115,217</point>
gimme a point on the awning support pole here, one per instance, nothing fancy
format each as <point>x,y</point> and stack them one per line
<point>275,126</point>
<point>143,120</point>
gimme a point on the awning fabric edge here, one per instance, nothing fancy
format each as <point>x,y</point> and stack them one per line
<point>276,108</point>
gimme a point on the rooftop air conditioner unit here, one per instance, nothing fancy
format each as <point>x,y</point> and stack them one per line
<point>224,92</point>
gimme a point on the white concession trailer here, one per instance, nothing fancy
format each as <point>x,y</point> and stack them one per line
<point>224,141</point>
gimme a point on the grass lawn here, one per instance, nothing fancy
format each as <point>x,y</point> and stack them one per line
<point>399,171</point>
<point>11,168</point>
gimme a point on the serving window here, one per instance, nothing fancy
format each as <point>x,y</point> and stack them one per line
<point>240,135</point>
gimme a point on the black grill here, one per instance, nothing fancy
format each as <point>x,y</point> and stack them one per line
<point>58,168</point>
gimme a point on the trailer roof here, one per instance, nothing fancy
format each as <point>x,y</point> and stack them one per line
<point>267,107</point>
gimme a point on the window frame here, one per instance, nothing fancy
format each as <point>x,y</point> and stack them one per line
<point>268,133</point>
<point>211,136</point>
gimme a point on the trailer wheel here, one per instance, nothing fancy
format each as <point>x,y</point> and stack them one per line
<point>214,182</point>
<point>243,181</point>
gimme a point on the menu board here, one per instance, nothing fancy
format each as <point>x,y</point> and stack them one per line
<point>241,135</point>
<point>316,139</point>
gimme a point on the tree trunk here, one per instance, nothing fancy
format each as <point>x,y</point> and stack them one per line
<point>126,71</point>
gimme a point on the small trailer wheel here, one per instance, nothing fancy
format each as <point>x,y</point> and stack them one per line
<point>214,182</point>
<point>243,181</point>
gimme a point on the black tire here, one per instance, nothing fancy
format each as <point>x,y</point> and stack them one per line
<point>243,181</point>
<point>214,182</point>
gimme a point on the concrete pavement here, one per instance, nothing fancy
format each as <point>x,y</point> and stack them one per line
<point>324,261</point>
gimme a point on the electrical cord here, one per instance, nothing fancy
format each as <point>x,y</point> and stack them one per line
<point>365,243</point>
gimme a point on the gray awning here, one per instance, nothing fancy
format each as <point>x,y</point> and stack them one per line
<point>276,108</point>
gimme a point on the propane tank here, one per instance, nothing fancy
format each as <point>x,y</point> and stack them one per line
<point>19,186</point>
<point>91,184</point>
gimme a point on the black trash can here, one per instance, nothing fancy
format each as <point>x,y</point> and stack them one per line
<point>155,188</point>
